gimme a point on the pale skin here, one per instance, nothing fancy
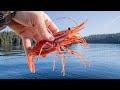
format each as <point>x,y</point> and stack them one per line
<point>32,24</point>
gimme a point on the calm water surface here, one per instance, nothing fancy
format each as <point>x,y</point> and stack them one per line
<point>104,58</point>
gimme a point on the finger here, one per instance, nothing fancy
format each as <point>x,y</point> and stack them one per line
<point>37,37</point>
<point>16,26</point>
<point>21,30</point>
<point>42,30</point>
<point>50,25</point>
<point>27,45</point>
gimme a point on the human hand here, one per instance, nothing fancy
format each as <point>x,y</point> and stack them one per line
<point>32,24</point>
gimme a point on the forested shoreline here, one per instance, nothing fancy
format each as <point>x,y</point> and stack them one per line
<point>9,39</point>
<point>104,38</point>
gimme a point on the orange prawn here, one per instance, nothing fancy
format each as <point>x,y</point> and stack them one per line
<point>62,39</point>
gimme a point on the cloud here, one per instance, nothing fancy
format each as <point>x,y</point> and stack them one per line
<point>115,19</point>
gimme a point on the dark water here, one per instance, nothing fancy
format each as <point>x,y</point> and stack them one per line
<point>104,58</point>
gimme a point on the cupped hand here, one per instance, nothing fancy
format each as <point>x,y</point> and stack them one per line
<point>33,24</point>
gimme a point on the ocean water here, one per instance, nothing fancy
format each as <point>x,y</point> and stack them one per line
<point>104,59</point>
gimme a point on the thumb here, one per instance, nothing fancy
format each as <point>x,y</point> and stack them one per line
<point>42,30</point>
<point>46,35</point>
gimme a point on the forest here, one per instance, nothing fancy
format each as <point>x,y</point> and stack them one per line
<point>9,39</point>
<point>104,38</point>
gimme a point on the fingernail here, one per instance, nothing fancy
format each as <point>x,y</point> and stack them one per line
<point>51,38</point>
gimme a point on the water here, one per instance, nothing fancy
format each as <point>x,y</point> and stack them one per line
<point>104,58</point>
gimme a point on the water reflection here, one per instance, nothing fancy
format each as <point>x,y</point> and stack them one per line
<point>104,60</point>
<point>11,51</point>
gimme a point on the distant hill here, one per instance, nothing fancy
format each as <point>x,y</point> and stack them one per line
<point>104,38</point>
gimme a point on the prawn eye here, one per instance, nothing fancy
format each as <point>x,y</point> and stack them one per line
<point>69,28</point>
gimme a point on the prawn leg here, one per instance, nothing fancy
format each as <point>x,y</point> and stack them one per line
<point>61,55</point>
<point>76,54</point>
<point>40,51</point>
<point>55,61</point>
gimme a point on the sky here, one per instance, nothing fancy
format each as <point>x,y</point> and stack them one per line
<point>99,22</point>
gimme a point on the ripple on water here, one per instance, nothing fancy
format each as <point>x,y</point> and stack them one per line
<point>104,58</point>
